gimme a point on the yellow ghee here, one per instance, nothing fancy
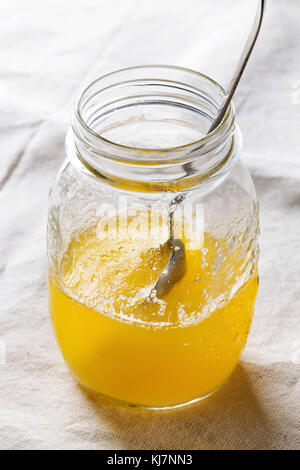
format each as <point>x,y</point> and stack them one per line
<point>151,352</point>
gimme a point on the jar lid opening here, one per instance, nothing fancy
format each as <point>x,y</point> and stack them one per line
<point>153,118</point>
<point>129,90</point>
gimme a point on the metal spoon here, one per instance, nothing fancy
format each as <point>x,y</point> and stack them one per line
<point>175,269</point>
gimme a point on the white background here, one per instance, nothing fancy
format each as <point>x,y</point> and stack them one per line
<point>48,51</point>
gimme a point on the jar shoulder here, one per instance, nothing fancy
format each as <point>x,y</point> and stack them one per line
<point>236,192</point>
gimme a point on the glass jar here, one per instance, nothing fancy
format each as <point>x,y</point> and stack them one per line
<point>136,150</point>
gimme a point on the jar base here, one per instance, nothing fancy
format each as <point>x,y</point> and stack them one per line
<point>164,407</point>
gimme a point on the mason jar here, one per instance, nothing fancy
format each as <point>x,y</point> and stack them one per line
<point>136,152</point>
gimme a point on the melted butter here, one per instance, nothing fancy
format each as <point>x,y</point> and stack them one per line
<point>153,352</point>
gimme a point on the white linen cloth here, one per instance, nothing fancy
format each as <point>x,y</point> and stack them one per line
<point>49,50</point>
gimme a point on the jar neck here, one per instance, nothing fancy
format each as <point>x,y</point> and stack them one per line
<point>125,125</point>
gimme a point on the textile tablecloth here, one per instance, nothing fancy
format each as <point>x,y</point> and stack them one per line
<point>49,51</point>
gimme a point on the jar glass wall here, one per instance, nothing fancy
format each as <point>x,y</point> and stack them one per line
<point>137,141</point>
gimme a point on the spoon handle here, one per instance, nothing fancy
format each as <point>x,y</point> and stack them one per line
<point>241,65</point>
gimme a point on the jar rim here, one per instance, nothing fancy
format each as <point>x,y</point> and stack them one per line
<point>204,141</point>
<point>121,97</point>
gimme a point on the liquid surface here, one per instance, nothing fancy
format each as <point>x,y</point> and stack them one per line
<point>147,351</point>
